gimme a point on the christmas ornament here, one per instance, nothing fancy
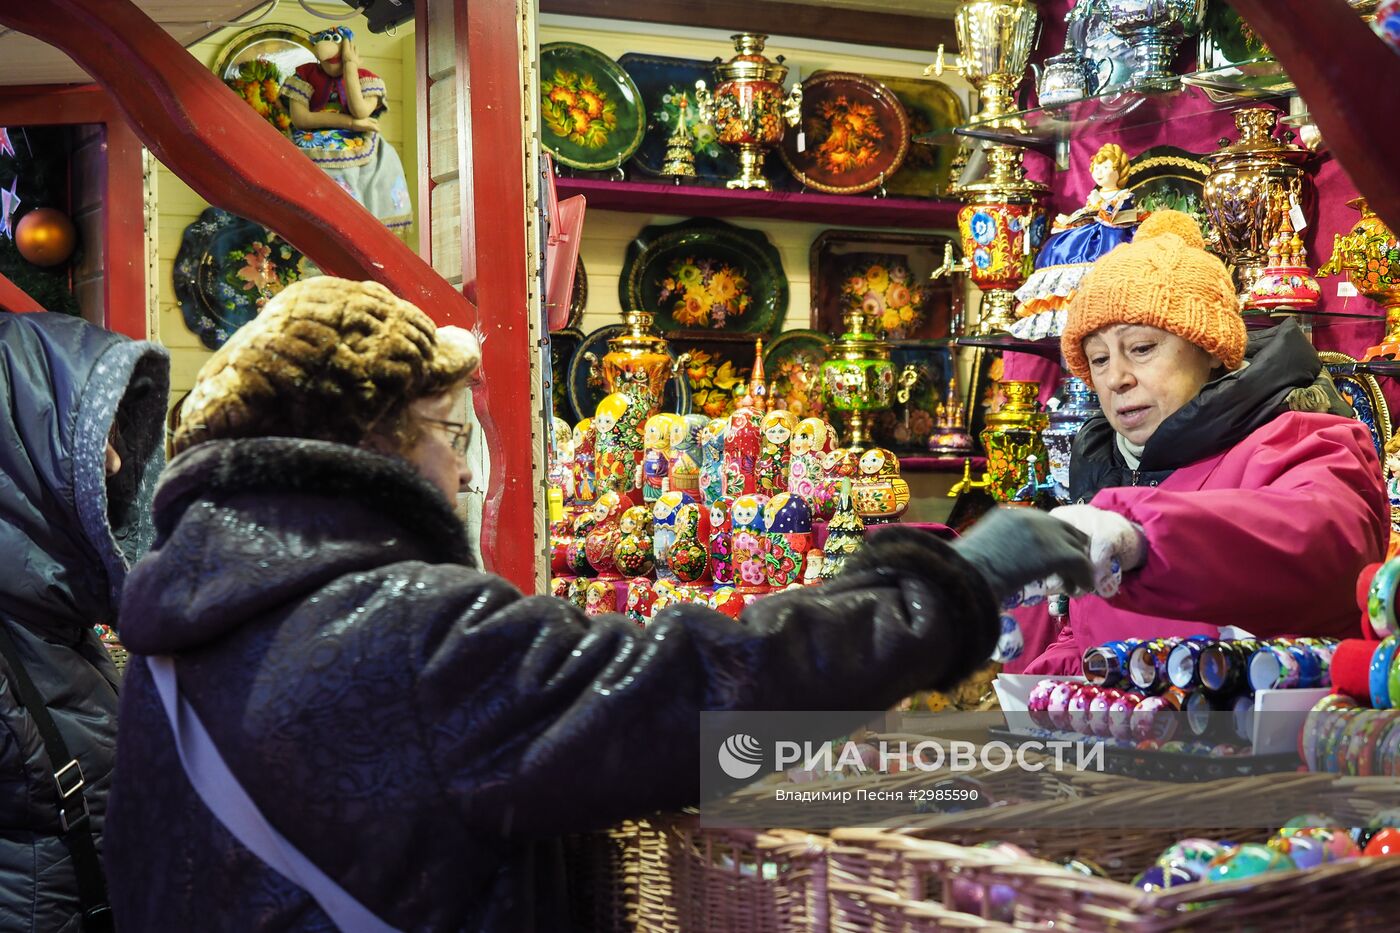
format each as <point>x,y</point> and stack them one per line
<point>45,237</point>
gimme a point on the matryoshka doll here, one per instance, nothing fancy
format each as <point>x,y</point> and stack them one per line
<point>750,549</point>
<point>619,442</point>
<point>773,454</point>
<point>640,597</point>
<point>601,543</point>
<point>663,532</point>
<point>685,454</point>
<point>578,591</point>
<point>722,540</point>
<point>787,520</point>
<point>561,459</point>
<point>844,533</point>
<point>559,587</point>
<point>880,495</point>
<point>690,552</point>
<point>633,555</point>
<point>837,464</point>
<point>812,440</point>
<point>585,462</point>
<point>712,460</point>
<point>575,555</point>
<point>725,600</point>
<point>656,456</point>
<point>600,597</point>
<point>742,441</point>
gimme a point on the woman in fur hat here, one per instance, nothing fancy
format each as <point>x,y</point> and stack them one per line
<point>416,734</point>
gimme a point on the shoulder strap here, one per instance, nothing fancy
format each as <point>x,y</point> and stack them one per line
<point>229,802</point>
<point>68,779</point>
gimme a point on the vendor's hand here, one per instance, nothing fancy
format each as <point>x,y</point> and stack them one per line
<point>1111,537</point>
<point>364,124</point>
<point>1011,547</point>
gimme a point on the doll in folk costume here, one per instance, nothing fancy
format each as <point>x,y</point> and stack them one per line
<point>844,533</point>
<point>663,515</point>
<point>617,422</point>
<point>334,106</point>
<point>656,454</point>
<point>712,460</point>
<point>600,597</point>
<point>774,454</point>
<point>722,540</point>
<point>690,552</point>
<point>880,494</point>
<point>727,600</point>
<point>811,442</point>
<point>561,459</point>
<point>633,556</point>
<point>787,521</point>
<point>585,457</point>
<point>641,596</point>
<point>750,550</point>
<point>839,463</point>
<point>601,543</point>
<point>685,453</point>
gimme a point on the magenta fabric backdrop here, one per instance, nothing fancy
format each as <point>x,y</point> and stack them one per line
<point>1200,132</point>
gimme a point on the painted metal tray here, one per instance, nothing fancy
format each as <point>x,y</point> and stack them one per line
<point>705,275</point>
<point>792,363</point>
<point>591,114</point>
<point>854,134</point>
<point>667,85</point>
<point>931,107</point>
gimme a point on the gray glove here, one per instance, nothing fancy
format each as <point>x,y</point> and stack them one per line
<point>1013,547</point>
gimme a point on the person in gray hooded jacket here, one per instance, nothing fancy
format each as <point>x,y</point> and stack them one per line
<point>81,420</point>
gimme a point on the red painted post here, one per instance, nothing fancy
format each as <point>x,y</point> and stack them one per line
<point>495,261</point>
<point>223,150</point>
<point>1351,81</point>
<point>13,298</point>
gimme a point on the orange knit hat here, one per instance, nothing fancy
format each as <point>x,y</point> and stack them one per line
<point>1164,279</point>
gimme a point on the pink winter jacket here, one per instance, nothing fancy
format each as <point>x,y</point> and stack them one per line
<point>1268,536</point>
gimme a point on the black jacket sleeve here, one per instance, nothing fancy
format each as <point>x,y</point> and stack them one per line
<point>542,720</point>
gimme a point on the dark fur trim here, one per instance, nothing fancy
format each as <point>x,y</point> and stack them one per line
<point>386,485</point>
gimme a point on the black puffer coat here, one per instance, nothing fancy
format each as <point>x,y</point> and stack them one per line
<point>420,730</point>
<point>65,546</point>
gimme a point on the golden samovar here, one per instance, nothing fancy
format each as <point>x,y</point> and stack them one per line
<point>748,108</point>
<point>1012,434</point>
<point>638,362</point>
<point>1367,256</point>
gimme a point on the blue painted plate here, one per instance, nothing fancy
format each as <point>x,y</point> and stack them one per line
<point>666,84</point>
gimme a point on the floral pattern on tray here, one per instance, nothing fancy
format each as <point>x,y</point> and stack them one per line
<point>883,286</point>
<point>887,276</point>
<point>703,292</point>
<point>847,136</point>
<point>575,108</point>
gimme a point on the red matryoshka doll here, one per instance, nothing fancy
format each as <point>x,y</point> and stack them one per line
<point>617,424</point>
<point>667,594</point>
<point>633,556</point>
<point>742,441</point>
<point>585,456</point>
<point>685,453</point>
<point>640,597</point>
<point>722,541</point>
<point>844,533</point>
<point>879,495</point>
<point>656,455</point>
<point>690,552</point>
<point>663,515</point>
<point>812,440</point>
<point>773,454</point>
<point>787,521</point>
<point>559,587</point>
<point>724,599</point>
<point>750,550</point>
<point>575,554</point>
<point>712,460</point>
<point>601,543</point>
<point>600,597</point>
<point>837,464</point>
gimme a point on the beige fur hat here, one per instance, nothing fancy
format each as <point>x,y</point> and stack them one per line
<point>327,359</point>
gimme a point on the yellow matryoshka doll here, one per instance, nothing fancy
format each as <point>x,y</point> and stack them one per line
<point>617,423</point>
<point>685,453</point>
<point>774,453</point>
<point>633,555</point>
<point>712,460</point>
<point>656,455</point>
<point>585,465</point>
<point>812,440</point>
<point>879,494</point>
<point>600,597</point>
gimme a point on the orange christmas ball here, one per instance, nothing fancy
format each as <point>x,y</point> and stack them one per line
<point>45,237</point>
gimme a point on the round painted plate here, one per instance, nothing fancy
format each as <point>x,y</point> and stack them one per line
<point>855,131</point>
<point>227,269</point>
<point>1363,393</point>
<point>793,365</point>
<point>282,45</point>
<point>563,346</point>
<point>705,275</point>
<point>585,393</point>
<point>591,114</point>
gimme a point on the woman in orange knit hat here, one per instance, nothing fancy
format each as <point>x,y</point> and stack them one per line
<point>1225,476</point>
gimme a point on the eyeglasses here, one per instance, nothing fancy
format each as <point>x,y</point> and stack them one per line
<point>460,434</point>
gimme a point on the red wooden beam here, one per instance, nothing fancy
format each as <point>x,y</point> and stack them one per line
<point>494,245</point>
<point>226,152</point>
<point>1351,82</point>
<point>14,298</point>
<point>123,234</point>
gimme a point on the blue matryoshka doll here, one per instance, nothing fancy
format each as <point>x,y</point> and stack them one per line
<point>664,514</point>
<point>712,460</point>
<point>788,529</point>
<point>750,550</point>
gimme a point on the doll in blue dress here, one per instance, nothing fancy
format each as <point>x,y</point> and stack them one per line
<point>1106,220</point>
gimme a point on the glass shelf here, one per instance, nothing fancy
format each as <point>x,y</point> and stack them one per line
<point>1266,318</point>
<point>1385,368</point>
<point>1048,347</point>
<point>1169,99</point>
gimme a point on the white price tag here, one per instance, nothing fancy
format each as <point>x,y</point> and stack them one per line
<point>1346,290</point>
<point>1026,242</point>
<point>801,141</point>
<point>1300,223</point>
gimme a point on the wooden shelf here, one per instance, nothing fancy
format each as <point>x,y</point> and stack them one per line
<point>691,200</point>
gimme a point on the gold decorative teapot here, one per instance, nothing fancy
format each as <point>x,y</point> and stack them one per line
<point>748,107</point>
<point>1369,256</point>
<point>1012,434</point>
<point>638,362</point>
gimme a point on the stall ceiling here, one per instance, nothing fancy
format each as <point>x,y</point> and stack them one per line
<point>25,60</point>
